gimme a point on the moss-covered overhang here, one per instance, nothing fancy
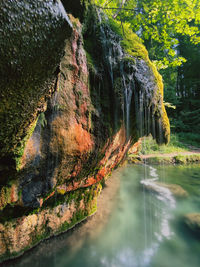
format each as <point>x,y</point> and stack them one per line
<point>135,59</point>
<point>32,40</point>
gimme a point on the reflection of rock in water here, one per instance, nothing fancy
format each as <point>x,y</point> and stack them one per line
<point>74,239</point>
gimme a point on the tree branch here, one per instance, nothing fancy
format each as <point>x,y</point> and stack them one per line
<point>123,8</point>
<point>119,9</point>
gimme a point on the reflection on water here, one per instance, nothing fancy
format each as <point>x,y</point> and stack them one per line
<point>143,229</point>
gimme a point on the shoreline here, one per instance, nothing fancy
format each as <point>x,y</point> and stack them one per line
<point>167,158</point>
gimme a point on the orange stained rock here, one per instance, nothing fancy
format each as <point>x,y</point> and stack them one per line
<point>41,202</point>
<point>84,141</point>
<point>14,193</point>
<point>29,152</point>
<point>50,195</point>
<point>135,148</point>
<point>102,172</point>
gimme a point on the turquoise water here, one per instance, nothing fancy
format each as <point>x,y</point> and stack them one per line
<point>143,229</point>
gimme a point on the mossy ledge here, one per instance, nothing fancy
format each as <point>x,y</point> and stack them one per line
<point>27,231</point>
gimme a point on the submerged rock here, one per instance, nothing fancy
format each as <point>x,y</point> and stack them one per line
<point>175,189</point>
<point>192,220</point>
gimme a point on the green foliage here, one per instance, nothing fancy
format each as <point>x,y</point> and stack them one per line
<point>183,159</point>
<point>189,138</point>
<point>179,159</point>
<point>149,146</point>
<point>160,160</point>
<point>19,150</point>
<point>158,23</point>
<point>42,119</point>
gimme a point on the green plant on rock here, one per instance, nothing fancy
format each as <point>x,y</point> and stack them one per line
<point>42,119</point>
<point>19,150</point>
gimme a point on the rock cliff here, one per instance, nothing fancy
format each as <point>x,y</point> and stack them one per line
<point>76,94</point>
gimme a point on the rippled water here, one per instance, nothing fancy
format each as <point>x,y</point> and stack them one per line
<point>143,229</point>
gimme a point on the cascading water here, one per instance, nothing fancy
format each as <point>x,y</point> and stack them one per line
<point>130,78</point>
<point>156,207</point>
<point>113,57</point>
<point>159,208</point>
<point>52,157</point>
<point>129,86</point>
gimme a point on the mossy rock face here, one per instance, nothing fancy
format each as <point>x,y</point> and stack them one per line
<point>83,131</point>
<point>126,61</point>
<point>83,105</point>
<point>30,56</point>
<point>24,232</point>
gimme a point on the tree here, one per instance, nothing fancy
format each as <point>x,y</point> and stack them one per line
<point>159,23</point>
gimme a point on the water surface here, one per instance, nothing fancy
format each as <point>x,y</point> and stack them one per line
<point>143,228</point>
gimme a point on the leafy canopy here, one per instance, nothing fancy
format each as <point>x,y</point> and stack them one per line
<point>159,23</point>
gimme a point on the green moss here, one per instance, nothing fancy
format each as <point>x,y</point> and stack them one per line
<point>19,151</point>
<point>134,158</point>
<point>133,46</point>
<point>88,195</point>
<point>89,46</point>
<point>130,42</point>
<point>75,22</point>
<point>179,159</point>
<point>128,59</point>
<point>42,119</point>
<point>184,159</point>
<point>159,160</point>
<point>165,125</point>
<point>78,216</point>
<point>6,194</point>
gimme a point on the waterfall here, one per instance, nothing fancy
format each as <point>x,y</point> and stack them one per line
<point>64,14</point>
<point>159,204</point>
<point>53,156</point>
<point>135,83</point>
<point>113,58</point>
<point>128,82</point>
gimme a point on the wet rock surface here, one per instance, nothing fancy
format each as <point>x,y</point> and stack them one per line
<point>32,38</point>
